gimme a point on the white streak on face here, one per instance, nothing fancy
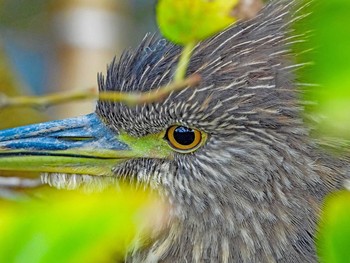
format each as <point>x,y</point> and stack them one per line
<point>347,184</point>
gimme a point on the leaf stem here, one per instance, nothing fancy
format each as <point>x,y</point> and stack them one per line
<point>184,61</point>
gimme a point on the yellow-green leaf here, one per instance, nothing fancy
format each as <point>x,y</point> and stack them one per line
<point>189,21</point>
<point>333,240</point>
<point>69,226</point>
<point>331,70</point>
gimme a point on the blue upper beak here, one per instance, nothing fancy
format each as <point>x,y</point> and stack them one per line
<point>82,145</point>
<point>85,131</point>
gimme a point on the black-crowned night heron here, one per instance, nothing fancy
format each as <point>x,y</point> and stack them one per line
<point>244,179</point>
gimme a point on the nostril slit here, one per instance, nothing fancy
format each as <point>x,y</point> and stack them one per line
<point>74,139</point>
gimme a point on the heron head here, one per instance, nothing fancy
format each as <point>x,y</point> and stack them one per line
<point>225,137</point>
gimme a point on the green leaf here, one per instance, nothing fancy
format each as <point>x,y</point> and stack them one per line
<point>69,226</point>
<point>189,21</point>
<point>333,240</point>
<point>330,40</point>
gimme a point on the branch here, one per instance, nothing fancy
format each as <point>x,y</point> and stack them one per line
<point>155,95</point>
<point>129,98</point>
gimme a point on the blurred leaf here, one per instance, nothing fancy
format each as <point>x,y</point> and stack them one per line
<point>333,240</point>
<point>331,41</point>
<point>73,227</point>
<point>190,21</point>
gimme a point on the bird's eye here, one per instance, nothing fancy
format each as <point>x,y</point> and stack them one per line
<point>183,139</point>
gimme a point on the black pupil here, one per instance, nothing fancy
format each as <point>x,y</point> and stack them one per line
<point>184,135</point>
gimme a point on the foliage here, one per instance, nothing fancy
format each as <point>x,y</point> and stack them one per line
<point>330,44</point>
<point>331,69</point>
<point>189,21</point>
<point>70,226</point>
<point>334,234</point>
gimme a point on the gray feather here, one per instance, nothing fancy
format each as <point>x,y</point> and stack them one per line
<point>253,192</point>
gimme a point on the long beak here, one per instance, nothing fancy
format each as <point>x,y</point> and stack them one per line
<point>82,145</point>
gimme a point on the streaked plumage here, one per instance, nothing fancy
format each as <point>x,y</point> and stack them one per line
<point>253,192</point>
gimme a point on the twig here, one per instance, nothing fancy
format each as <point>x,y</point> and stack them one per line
<point>151,96</point>
<point>184,61</point>
<point>47,100</point>
<point>128,98</point>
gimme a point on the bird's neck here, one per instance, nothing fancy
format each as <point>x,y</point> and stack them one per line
<point>259,234</point>
<point>274,221</point>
